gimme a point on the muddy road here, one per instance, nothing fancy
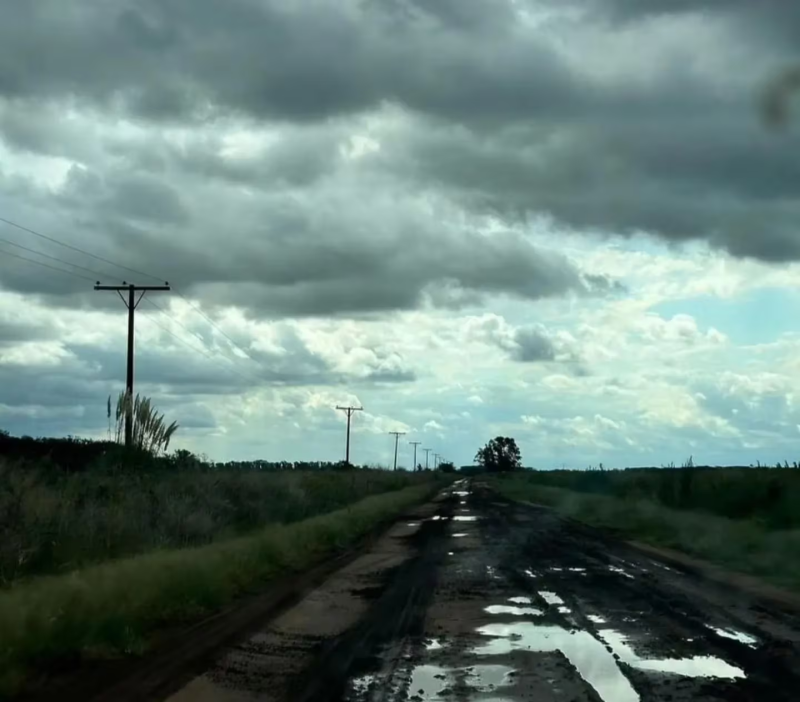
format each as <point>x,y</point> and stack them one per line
<point>476,598</point>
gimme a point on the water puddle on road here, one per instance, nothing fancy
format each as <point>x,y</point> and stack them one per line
<point>520,600</point>
<point>530,573</point>
<point>550,597</point>
<point>594,658</point>
<point>433,645</point>
<point>428,682</point>
<point>512,609</point>
<point>461,493</point>
<point>734,635</point>
<point>596,619</point>
<point>464,518</point>
<point>458,536</point>
<point>413,524</point>
<point>487,678</point>
<point>620,571</point>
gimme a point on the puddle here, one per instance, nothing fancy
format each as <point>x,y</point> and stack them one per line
<point>551,598</point>
<point>596,619</point>
<point>362,684</point>
<point>487,678</point>
<point>433,645</point>
<point>429,682</point>
<point>461,493</point>
<point>458,536</point>
<point>564,610</point>
<point>620,571</point>
<point>661,565</point>
<point>450,553</point>
<point>530,573</point>
<point>413,524</point>
<point>436,518</point>
<point>588,655</point>
<point>576,570</point>
<point>463,502</point>
<point>695,667</point>
<point>511,609</point>
<point>464,518</point>
<point>739,636</point>
<point>594,658</point>
<point>520,600</point>
<point>556,570</point>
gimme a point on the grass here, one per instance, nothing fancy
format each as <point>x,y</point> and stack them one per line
<point>112,608</point>
<point>53,521</point>
<point>744,545</point>
<point>770,496</point>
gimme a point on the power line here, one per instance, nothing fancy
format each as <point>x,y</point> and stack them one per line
<point>131,270</point>
<point>75,248</point>
<point>45,265</point>
<point>198,350</point>
<point>53,258</point>
<point>194,333</point>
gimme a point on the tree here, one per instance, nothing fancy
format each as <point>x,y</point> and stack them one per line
<point>501,454</point>
<point>447,467</point>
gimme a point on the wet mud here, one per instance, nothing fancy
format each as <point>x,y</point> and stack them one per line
<point>476,598</point>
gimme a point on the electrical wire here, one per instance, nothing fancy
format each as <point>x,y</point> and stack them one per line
<point>54,258</point>
<point>45,265</point>
<point>182,325</point>
<point>131,270</point>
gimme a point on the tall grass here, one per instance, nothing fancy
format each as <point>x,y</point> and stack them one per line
<point>53,522</point>
<point>769,496</point>
<point>110,609</point>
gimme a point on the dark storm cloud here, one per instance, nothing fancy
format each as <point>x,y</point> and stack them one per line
<point>504,124</point>
<point>532,345</point>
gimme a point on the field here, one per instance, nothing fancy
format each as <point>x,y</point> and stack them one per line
<point>746,519</point>
<point>53,521</point>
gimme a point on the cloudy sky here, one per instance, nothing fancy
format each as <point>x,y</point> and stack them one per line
<point>574,222</point>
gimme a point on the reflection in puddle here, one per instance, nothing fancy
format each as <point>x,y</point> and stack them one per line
<point>436,518</point>
<point>551,598</point>
<point>621,571</point>
<point>564,610</point>
<point>450,553</point>
<point>433,645</point>
<point>487,678</point>
<point>576,570</point>
<point>594,659</point>
<point>596,619</point>
<point>739,636</point>
<point>413,524</point>
<point>428,682</point>
<point>511,609</point>
<point>362,684</point>
<point>696,667</point>
<point>588,655</point>
<point>520,600</point>
<point>461,518</point>
<point>461,493</point>
<point>530,573</point>
<point>458,536</point>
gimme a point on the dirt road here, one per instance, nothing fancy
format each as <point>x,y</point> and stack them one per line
<point>476,598</point>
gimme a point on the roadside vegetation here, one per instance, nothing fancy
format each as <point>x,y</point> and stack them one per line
<point>112,608</point>
<point>746,519</point>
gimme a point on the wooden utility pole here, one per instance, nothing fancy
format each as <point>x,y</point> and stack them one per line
<point>415,444</point>
<point>397,435</point>
<point>427,451</point>
<point>349,411</point>
<point>131,303</point>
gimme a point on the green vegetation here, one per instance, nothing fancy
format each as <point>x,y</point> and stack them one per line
<point>500,455</point>
<point>769,496</point>
<point>110,609</point>
<point>750,544</point>
<point>53,521</point>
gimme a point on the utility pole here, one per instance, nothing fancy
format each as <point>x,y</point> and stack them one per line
<point>131,303</point>
<point>397,435</point>
<point>349,411</point>
<point>415,444</point>
<point>427,451</point>
<point>435,461</point>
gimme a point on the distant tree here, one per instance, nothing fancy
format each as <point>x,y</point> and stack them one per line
<point>447,467</point>
<point>500,455</point>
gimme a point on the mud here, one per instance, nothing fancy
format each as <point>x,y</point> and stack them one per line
<point>513,604</point>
